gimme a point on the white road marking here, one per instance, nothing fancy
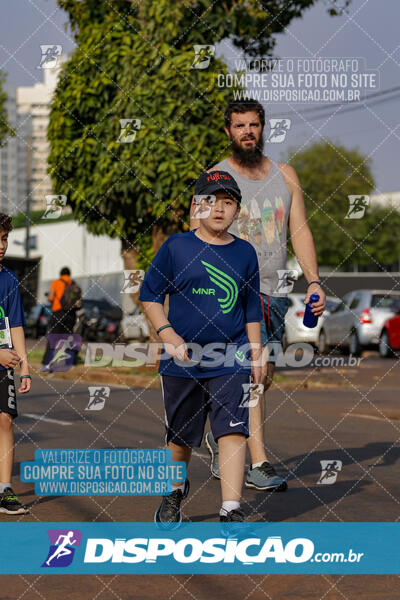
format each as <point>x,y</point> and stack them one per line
<point>47,419</point>
<point>371,417</point>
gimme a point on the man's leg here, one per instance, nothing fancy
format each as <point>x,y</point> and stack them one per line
<point>262,475</point>
<point>257,419</point>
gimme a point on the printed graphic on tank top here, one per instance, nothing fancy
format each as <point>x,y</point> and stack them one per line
<point>263,221</point>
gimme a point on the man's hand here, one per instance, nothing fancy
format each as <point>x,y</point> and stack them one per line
<point>9,358</point>
<point>174,344</point>
<point>317,307</point>
<point>256,373</point>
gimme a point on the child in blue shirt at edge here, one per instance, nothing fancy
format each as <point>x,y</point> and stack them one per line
<point>10,307</point>
<point>212,279</point>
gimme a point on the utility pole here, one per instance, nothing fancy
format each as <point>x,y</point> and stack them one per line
<point>28,193</point>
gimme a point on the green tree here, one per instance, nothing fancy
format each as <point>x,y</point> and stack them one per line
<point>5,129</point>
<point>134,60</point>
<point>328,175</point>
<point>377,238</point>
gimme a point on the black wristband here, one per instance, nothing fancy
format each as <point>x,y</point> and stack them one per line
<point>25,377</point>
<point>319,283</point>
<point>163,327</point>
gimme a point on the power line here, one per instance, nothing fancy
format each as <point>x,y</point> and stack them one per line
<point>372,99</point>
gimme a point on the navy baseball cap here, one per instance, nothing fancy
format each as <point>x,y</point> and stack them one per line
<point>217,181</point>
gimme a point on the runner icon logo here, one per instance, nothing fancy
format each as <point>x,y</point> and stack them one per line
<point>252,393</point>
<point>278,130</point>
<point>132,281</point>
<point>50,54</point>
<point>203,55</point>
<point>357,206</point>
<point>61,551</point>
<point>286,279</point>
<point>329,471</point>
<point>98,396</point>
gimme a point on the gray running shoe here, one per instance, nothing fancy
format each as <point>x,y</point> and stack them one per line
<point>265,478</point>
<point>213,450</point>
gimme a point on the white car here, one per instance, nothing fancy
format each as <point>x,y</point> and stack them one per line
<point>295,331</point>
<point>134,326</point>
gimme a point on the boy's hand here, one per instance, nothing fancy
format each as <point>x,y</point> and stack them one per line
<point>174,344</point>
<point>25,382</point>
<point>25,386</point>
<point>9,358</point>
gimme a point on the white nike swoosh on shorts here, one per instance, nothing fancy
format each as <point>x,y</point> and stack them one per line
<point>234,424</point>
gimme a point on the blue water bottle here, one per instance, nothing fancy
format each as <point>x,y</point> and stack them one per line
<point>309,319</point>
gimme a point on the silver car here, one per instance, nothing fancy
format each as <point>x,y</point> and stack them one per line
<point>357,322</point>
<point>295,331</point>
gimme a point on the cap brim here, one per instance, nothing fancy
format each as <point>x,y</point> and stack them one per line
<point>218,187</point>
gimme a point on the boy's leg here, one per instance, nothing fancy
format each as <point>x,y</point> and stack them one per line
<point>229,419</point>
<point>185,404</point>
<point>6,449</point>
<point>9,502</point>
<point>180,453</point>
<point>232,455</point>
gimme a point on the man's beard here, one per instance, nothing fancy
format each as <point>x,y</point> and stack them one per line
<point>248,157</point>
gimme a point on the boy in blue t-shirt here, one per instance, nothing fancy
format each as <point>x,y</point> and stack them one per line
<point>214,314</point>
<point>12,353</point>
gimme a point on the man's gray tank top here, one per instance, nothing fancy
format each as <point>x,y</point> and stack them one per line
<point>263,222</point>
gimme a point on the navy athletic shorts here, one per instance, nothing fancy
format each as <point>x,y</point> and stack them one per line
<point>8,401</point>
<point>188,401</point>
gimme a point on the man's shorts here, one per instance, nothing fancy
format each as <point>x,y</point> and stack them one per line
<point>8,401</point>
<point>273,324</point>
<point>187,403</point>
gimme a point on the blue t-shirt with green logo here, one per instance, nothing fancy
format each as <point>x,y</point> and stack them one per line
<point>10,299</point>
<point>214,290</point>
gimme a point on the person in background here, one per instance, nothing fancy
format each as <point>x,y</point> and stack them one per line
<point>65,296</point>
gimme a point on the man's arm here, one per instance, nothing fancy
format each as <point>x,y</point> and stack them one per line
<point>18,341</point>
<point>302,239</point>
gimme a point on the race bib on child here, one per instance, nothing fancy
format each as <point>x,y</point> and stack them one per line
<point>5,333</point>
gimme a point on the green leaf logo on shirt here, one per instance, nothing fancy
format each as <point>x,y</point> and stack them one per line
<point>226,283</point>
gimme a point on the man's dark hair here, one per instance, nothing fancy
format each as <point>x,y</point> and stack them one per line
<point>242,106</point>
<point>65,271</point>
<point>5,223</point>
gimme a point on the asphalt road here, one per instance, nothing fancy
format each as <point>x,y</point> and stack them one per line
<point>358,424</point>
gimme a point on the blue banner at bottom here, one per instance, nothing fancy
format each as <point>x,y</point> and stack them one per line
<point>199,548</point>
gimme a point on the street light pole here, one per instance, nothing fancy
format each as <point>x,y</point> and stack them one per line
<point>28,194</point>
